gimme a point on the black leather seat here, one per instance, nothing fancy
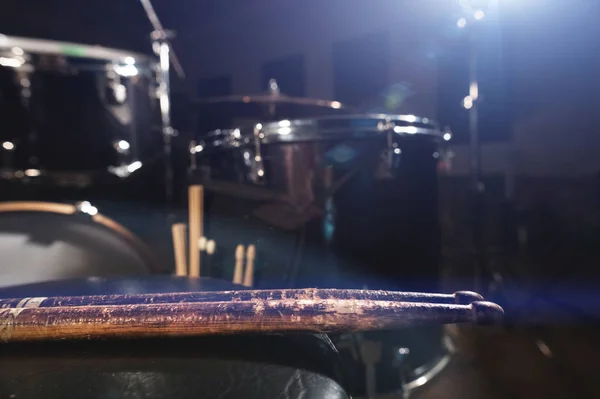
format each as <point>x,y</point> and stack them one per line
<point>243,366</point>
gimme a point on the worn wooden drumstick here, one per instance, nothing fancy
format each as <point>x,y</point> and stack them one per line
<point>249,272</point>
<point>458,298</point>
<point>195,194</point>
<point>239,265</point>
<point>337,311</point>
<point>178,231</point>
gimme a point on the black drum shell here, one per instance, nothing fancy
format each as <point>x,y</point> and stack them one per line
<point>60,113</point>
<point>379,231</point>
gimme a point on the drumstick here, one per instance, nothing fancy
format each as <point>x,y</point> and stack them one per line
<point>339,312</point>
<point>458,298</point>
<point>195,227</point>
<point>249,273</point>
<point>178,231</point>
<point>239,264</point>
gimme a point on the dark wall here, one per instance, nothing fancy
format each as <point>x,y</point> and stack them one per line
<point>361,67</point>
<point>289,73</point>
<point>495,112</point>
<point>214,87</point>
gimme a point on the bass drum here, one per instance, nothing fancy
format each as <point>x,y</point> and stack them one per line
<point>43,241</point>
<point>234,366</point>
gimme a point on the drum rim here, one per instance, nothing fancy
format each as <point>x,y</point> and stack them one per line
<point>44,46</point>
<point>67,209</point>
<point>307,129</point>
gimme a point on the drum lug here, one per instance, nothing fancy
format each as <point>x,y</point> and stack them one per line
<point>257,168</point>
<point>389,157</point>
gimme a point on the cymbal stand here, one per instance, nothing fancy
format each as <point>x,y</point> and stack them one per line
<point>162,48</point>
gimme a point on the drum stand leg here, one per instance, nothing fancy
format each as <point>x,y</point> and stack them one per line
<point>162,47</point>
<point>400,362</point>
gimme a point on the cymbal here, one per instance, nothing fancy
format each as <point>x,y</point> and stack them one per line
<point>272,99</point>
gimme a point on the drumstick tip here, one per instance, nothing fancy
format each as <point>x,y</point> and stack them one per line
<point>239,252</point>
<point>487,313</point>
<point>467,297</point>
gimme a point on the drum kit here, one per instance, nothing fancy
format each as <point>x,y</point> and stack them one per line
<point>338,211</point>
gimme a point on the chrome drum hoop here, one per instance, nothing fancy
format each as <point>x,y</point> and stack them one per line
<point>320,129</point>
<point>16,47</point>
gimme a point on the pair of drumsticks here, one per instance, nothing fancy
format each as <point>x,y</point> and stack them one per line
<point>197,242</point>
<point>248,274</point>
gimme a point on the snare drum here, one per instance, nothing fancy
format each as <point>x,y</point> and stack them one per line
<point>339,201</point>
<point>42,241</point>
<point>75,113</point>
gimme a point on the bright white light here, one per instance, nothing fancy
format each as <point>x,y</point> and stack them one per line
<point>237,134</point>
<point>397,151</point>
<point>32,172</point>
<point>285,123</point>
<point>129,60</point>
<point>123,145</point>
<point>447,136</point>
<point>462,22</point>
<point>406,129</point>
<point>164,57</point>
<point>132,167</point>
<point>474,91</point>
<point>11,62</point>
<point>125,70</point>
<point>120,92</point>
<point>86,207</point>
<point>8,146</point>
<point>17,51</point>
<point>468,102</point>
<point>285,131</point>
<point>479,15</point>
<point>336,105</point>
<point>410,118</point>
<point>196,149</point>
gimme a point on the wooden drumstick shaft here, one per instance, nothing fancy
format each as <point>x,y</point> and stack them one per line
<point>178,231</point>
<point>195,194</point>
<point>313,294</point>
<point>239,265</point>
<point>30,322</point>
<point>249,274</point>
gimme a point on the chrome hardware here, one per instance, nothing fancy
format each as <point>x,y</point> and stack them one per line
<point>84,207</point>
<point>370,352</point>
<point>257,169</point>
<point>400,357</point>
<point>274,87</point>
<point>125,170</point>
